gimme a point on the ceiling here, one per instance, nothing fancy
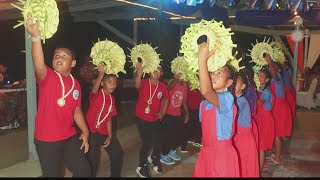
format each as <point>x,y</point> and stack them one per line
<point>104,10</point>
<point>92,10</point>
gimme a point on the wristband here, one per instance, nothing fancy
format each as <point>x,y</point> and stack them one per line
<point>37,38</point>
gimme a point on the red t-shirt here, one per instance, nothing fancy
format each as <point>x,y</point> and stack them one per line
<point>55,123</point>
<point>177,94</point>
<point>96,102</point>
<point>143,96</point>
<point>193,99</point>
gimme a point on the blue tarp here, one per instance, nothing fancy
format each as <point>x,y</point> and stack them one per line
<point>247,17</point>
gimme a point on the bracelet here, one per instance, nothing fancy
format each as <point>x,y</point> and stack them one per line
<point>37,38</point>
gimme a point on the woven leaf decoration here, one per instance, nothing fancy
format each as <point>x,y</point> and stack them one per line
<point>109,53</point>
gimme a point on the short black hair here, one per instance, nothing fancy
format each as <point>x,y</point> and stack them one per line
<point>107,76</point>
<point>231,71</point>
<point>67,46</point>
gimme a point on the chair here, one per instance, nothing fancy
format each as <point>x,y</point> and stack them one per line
<point>305,99</point>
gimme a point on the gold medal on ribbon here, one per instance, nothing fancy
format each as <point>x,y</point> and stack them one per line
<point>61,102</point>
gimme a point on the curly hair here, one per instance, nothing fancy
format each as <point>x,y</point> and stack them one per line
<point>266,72</point>
<point>244,79</point>
<point>248,72</point>
<point>231,75</point>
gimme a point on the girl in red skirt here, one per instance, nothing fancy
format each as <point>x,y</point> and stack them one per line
<point>289,89</point>
<point>251,95</point>
<point>244,139</point>
<point>218,156</point>
<point>264,117</point>
<point>281,111</point>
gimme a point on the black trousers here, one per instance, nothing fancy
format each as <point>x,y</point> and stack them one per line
<point>55,156</point>
<point>172,133</point>
<point>114,151</point>
<point>193,128</point>
<point>151,140</point>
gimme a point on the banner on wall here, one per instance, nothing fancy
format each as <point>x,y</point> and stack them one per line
<point>314,50</point>
<point>300,52</point>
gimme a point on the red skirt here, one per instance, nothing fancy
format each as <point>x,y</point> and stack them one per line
<point>291,99</point>
<point>265,123</point>
<point>218,161</point>
<point>248,153</point>
<point>255,131</point>
<point>282,118</point>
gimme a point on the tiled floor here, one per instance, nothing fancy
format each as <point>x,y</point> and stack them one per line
<point>301,154</point>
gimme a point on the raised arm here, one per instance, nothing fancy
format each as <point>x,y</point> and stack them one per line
<point>97,82</point>
<point>137,80</point>
<point>272,70</point>
<point>205,83</point>
<point>37,52</point>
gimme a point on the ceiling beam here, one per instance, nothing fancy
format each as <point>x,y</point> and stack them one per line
<point>91,5</point>
<point>6,5</point>
<point>264,31</point>
<point>87,17</point>
<point>116,32</point>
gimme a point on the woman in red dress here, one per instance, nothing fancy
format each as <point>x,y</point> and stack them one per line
<point>218,156</point>
<point>244,139</point>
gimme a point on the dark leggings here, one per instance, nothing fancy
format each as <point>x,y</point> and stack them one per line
<point>114,151</point>
<point>55,156</point>
<point>150,137</point>
<point>172,133</point>
<point>193,128</point>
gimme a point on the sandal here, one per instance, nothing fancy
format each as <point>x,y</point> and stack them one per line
<point>271,156</point>
<point>265,168</point>
<point>197,144</point>
<point>274,161</point>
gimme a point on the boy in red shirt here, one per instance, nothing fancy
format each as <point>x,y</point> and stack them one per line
<point>174,120</point>
<point>101,109</point>
<point>59,106</point>
<point>148,117</point>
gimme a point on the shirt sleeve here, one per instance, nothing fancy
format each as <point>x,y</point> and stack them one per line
<point>267,98</point>
<point>244,112</point>
<point>200,110</point>
<point>93,97</point>
<point>225,116</point>
<point>226,101</point>
<point>79,97</point>
<point>46,78</point>
<point>165,91</point>
<point>114,109</point>
<point>143,83</point>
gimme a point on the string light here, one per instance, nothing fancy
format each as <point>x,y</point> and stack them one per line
<point>153,19</point>
<point>154,8</point>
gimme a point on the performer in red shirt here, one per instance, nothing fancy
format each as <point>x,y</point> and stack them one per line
<point>102,108</point>
<point>148,116</point>
<point>59,106</point>
<point>174,121</point>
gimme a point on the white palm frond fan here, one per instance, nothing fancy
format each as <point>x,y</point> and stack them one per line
<point>297,35</point>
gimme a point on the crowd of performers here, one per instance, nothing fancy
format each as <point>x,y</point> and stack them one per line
<point>238,121</point>
<point>232,121</point>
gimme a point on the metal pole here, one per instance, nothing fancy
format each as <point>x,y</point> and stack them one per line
<point>31,99</point>
<point>181,34</point>
<point>135,41</point>
<point>306,47</point>
<point>135,31</point>
<point>295,60</point>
